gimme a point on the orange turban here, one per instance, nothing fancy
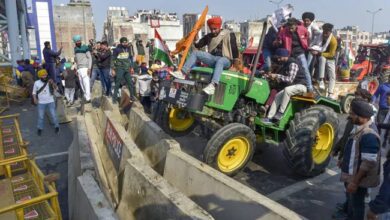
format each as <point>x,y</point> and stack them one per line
<point>215,22</point>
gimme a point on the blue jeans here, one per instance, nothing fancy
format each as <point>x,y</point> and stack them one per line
<point>302,59</point>
<point>218,63</point>
<point>94,75</point>
<point>41,114</point>
<point>267,59</point>
<point>104,74</point>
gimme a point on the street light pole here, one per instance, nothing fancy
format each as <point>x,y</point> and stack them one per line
<point>373,13</point>
<point>85,30</point>
<point>277,3</point>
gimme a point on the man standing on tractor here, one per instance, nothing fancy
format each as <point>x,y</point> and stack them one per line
<point>315,34</point>
<point>293,76</point>
<point>122,68</point>
<point>83,60</point>
<point>360,163</point>
<point>327,59</point>
<point>223,50</point>
<point>295,38</point>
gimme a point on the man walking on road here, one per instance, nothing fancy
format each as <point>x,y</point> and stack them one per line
<point>360,163</point>
<point>83,61</point>
<point>43,97</point>
<point>123,68</point>
<point>50,56</point>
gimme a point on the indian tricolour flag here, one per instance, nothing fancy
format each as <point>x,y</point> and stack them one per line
<point>161,51</point>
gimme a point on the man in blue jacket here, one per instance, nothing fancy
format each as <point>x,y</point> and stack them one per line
<point>50,57</point>
<point>380,96</point>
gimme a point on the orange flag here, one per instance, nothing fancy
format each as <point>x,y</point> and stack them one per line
<point>184,45</point>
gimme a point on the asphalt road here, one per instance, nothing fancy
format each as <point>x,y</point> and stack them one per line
<point>269,174</point>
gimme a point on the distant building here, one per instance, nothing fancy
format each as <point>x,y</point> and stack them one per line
<point>189,21</point>
<point>354,35</point>
<point>251,29</point>
<point>141,26</point>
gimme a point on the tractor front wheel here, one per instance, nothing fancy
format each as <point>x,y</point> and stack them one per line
<point>231,148</point>
<point>175,121</point>
<point>310,139</point>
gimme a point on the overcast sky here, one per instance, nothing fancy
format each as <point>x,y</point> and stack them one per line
<point>339,12</point>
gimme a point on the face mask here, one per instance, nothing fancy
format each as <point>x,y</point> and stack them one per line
<point>78,44</point>
<point>44,79</point>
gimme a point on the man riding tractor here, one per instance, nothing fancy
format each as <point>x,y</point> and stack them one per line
<point>223,50</point>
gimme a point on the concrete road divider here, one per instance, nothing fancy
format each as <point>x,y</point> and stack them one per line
<point>220,195</point>
<point>147,195</point>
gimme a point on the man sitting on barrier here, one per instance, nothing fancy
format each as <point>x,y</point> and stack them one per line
<point>222,47</point>
<point>293,76</point>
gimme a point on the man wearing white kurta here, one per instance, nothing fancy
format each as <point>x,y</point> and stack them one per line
<point>83,61</point>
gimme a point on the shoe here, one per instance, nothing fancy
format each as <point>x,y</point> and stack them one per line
<point>88,101</point>
<point>266,121</point>
<point>39,132</point>
<point>57,130</point>
<point>341,207</point>
<point>209,89</point>
<point>278,116</point>
<point>322,85</point>
<point>178,74</point>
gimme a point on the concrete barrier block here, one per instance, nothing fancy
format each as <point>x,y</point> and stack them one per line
<point>220,195</point>
<point>150,139</point>
<point>90,203</point>
<point>147,195</point>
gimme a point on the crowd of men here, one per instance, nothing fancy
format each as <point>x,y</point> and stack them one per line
<point>297,47</point>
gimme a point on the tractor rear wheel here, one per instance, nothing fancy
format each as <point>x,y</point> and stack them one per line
<point>231,148</point>
<point>176,122</point>
<point>310,139</point>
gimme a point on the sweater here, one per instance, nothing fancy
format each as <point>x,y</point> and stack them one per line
<point>330,51</point>
<point>83,57</point>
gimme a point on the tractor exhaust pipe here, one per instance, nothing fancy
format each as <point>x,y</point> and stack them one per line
<point>259,51</point>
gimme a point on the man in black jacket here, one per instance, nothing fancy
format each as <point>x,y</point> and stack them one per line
<point>51,57</point>
<point>103,58</point>
<point>223,51</point>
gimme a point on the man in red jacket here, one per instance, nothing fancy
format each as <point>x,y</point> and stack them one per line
<point>295,38</point>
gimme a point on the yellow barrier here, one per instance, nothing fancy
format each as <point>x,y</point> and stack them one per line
<point>32,195</point>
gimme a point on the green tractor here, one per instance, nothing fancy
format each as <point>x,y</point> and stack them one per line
<point>307,130</point>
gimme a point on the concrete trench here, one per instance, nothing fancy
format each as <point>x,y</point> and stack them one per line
<point>153,178</point>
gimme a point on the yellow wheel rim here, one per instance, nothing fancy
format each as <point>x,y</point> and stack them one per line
<point>180,120</point>
<point>233,154</point>
<point>324,142</point>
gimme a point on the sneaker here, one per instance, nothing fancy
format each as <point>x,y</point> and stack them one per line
<point>88,101</point>
<point>39,132</point>
<point>133,98</point>
<point>209,89</point>
<point>57,130</point>
<point>278,116</point>
<point>266,121</point>
<point>322,85</point>
<point>178,74</point>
